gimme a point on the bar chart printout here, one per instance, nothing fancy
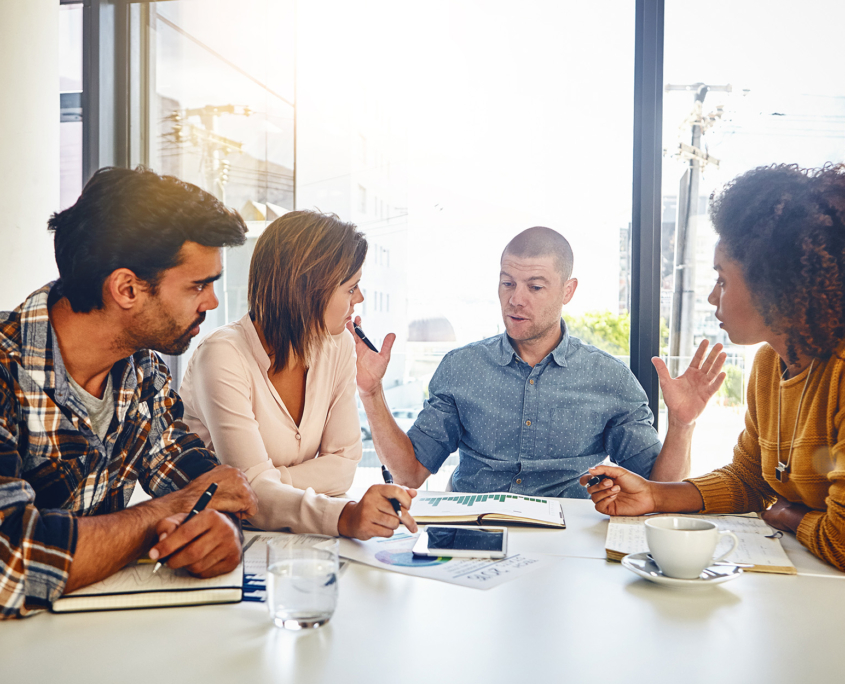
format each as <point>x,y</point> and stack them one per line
<point>487,508</point>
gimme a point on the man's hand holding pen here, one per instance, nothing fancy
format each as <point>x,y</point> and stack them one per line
<point>209,544</point>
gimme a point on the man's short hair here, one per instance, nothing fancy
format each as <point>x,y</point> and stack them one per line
<point>134,219</point>
<point>540,241</point>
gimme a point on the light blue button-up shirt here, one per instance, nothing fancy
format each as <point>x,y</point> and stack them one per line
<point>533,430</point>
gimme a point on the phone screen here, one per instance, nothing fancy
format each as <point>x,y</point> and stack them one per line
<point>449,538</point>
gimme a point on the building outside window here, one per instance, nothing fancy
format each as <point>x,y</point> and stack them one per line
<point>725,114</point>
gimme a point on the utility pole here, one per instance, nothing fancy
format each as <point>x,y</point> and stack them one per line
<point>215,168</point>
<point>681,341</point>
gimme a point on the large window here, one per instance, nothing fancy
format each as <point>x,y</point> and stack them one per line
<point>212,102</point>
<point>760,90</point>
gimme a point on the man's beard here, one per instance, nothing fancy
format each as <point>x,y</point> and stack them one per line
<point>180,344</point>
<point>534,332</point>
<point>161,333</point>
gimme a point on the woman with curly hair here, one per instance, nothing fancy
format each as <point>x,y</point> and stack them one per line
<point>780,265</point>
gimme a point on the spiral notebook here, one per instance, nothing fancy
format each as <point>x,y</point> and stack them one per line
<point>135,586</point>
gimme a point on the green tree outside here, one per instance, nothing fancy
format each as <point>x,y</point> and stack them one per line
<point>603,329</point>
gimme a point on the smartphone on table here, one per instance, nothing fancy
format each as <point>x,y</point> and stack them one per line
<point>462,542</point>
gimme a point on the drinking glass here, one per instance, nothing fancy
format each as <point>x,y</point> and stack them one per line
<point>302,574</point>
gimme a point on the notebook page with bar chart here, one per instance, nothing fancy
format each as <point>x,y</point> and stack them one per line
<point>493,507</point>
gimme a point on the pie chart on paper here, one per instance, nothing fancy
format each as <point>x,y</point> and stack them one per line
<point>407,559</point>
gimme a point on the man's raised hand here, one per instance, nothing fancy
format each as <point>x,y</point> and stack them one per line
<point>688,394</point>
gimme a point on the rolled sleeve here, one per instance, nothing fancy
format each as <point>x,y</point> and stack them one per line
<point>629,437</point>
<point>438,430</point>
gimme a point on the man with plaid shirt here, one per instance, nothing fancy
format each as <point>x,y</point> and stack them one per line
<point>86,408</point>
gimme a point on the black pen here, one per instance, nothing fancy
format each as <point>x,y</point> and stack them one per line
<point>594,480</point>
<point>388,479</point>
<point>360,333</point>
<point>198,506</point>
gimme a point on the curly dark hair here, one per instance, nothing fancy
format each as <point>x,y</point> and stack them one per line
<point>785,226</point>
<point>134,219</point>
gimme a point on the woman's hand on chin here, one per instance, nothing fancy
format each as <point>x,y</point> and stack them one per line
<point>371,366</point>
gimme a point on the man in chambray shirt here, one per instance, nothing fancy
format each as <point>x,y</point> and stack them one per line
<point>532,409</point>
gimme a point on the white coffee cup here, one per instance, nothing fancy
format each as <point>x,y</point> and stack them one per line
<point>683,547</point>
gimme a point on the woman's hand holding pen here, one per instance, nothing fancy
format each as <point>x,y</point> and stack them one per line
<point>371,366</point>
<point>625,493</point>
<point>621,493</point>
<point>373,515</point>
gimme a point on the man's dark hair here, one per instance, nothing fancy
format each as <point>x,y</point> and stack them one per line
<point>134,219</point>
<point>785,226</point>
<point>540,241</point>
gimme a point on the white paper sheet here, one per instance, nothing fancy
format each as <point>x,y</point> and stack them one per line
<point>394,554</point>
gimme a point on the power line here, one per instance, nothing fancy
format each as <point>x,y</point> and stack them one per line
<point>252,78</point>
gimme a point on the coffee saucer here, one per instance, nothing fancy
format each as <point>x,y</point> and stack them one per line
<point>642,565</point>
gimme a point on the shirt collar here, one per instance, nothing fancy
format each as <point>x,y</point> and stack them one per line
<point>42,358</point>
<point>37,333</point>
<point>506,351</point>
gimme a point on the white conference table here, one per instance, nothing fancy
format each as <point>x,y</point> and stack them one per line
<point>580,619</point>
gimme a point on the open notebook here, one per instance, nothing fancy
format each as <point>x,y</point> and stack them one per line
<point>627,535</point>
<point>135,586</point>
<point>487,508</point>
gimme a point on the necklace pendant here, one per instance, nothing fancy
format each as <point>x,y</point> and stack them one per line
<point>782,472</point>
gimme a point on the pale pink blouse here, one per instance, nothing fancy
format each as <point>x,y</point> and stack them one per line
<point>231,404</point>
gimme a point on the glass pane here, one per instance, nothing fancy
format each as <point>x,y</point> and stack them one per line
<point>758,91</point>
<point>70,89</point>
<point>213,104</point>
<point>445,132</point>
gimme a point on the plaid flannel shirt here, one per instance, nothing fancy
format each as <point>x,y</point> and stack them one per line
<point>53,467</point>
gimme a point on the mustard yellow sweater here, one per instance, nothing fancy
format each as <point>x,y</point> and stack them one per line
<point>817,477</point>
